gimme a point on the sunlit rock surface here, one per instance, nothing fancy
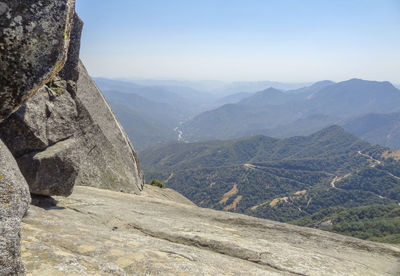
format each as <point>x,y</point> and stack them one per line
<point>67,135</point>
<point>161,233</point>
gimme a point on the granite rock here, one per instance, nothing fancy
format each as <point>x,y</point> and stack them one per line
<point>58,143</point>
<point>14,202</point>
<point>161,233</point>
<point>67,134</point>
<point>34,40</point>
<point>102,114</point>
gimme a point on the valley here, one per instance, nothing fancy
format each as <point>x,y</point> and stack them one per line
<point>211,146</point>
<point>368,109</point>
<point>217,138</point>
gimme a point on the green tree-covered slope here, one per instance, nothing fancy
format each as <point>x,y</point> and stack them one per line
<point>375,222</point>
<point>279,179</point>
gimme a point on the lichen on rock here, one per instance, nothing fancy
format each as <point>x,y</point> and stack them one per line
<point>58,143</point>
<point>53,134</point>
<point>14,202</point>
<point>67,135</point>
<point>34,40</point>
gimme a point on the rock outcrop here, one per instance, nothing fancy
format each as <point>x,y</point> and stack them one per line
<point>34,39</point>
<point>148,234</point>
<point>58,143</point>
<point>14,202</point>
<point>67,134</point>
<point>100,112</point>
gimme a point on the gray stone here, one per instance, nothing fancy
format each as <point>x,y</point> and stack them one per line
<point>102,164</point>
<point>67,134</point>
<point>14,202</point>
<point>102,114</point>
<point>52,171</point>
<point>58,144</point>
<point>70,70</point>
<point>34,39</point>
<point>43,121</point>
<point>160,233</point>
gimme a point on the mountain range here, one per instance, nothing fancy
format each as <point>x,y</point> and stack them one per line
<point>297,112</point>
<point>186,100</point>
<point>167,111</point>
<point>382,129</point>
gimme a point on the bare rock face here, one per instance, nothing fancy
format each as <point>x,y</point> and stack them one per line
<point>58,144</point>
<point>101,113</point>
<point>70,69</point>
<point>34,39</point>
<point>14,202</point>
<point>66,134</point>
<point>161,233</point>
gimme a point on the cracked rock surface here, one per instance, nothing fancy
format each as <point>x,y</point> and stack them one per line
<point>58,144</point>
<point>67,135</point>
<point>161,233</point>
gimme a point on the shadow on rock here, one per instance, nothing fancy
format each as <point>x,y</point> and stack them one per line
<point>45,202</point>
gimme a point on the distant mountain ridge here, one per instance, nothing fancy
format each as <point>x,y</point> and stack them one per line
<point>142,130</point>
<point>185,100</point>
<point>162,112</point>
<point>178,111</point>
<point>298,112</point>
<point>160,107</point>
<point>151,113</point>
<point>382,129</point>
<point>221,88</point>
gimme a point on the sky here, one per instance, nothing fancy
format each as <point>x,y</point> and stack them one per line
<point>242,40</point>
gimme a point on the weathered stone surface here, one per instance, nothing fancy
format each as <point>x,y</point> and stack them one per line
<point>70,70</point>
<point>111,233</point>
<point>14,202</point>
<point>52,171</point>
<point>58,143</point>
<point>66,134</point>
<point>34,39</point>
<point>165,194</point>
<point>102,114</point>
<point>43,121</point>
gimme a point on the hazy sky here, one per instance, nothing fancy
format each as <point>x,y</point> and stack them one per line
<point>281,40</point>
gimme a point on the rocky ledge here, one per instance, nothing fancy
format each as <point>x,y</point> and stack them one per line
<point>159,232</point>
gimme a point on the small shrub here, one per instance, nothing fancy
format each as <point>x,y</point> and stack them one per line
<point>157,183</point>
<point>58,90</point>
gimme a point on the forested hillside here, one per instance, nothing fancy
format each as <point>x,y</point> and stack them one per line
<point>375,222</point>
<point>280,179</point>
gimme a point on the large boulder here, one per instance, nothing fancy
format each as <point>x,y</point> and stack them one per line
<point>65,136</point>
<point>34,40</point>
<point>14,202</point>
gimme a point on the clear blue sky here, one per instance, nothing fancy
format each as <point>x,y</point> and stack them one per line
<point>281,40</point>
